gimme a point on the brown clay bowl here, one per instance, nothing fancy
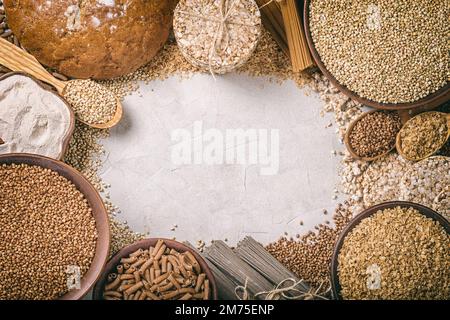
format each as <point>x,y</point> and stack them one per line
<point>98,211</point>
<point>69,134</point>
<point>429,213</point>
<point>429,102</point>
<point>145,244</point>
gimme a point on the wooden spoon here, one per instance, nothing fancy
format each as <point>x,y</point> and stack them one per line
<point>17,59</point>
<point>349,147</point>
<point>398,140</point>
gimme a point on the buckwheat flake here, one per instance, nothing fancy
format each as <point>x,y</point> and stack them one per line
<point>396,254</point>
<point>423,135</point>
<point>427,182</point>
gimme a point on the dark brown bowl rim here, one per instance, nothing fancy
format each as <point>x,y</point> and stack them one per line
<point>429,213</point>
<point>433,100</point>
<point>145,244</point>
<point>71,129</point>
<point>101,218</point>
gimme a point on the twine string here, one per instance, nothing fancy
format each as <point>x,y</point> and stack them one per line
<point>281,291</point>
<point>222,34</point>
<point>267,3</point>
<point>245,294</point>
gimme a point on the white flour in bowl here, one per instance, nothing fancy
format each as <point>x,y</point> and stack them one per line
<point>32,119</point>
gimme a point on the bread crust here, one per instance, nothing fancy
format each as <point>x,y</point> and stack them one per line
<point>99,39</point>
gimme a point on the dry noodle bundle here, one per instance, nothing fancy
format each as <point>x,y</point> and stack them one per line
<point>299,51</point>
<point>282,19</point>
<point>272,19</point>
<point>230,264</point>
<point>260,259</point>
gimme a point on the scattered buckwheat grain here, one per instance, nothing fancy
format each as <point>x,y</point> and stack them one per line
<point>267,61</point>
<point>85,154</point>
<point>310,256</point>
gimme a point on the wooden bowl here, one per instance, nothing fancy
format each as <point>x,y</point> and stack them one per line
<point>69,134</point>
<point>398,140</point>
<point>429,102</point>
<point>349,146</point>
<point>98,211</point>
<point>145,244</point>
<point>335,285</point>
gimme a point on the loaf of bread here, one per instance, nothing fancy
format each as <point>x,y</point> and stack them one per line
<point>99,39</point>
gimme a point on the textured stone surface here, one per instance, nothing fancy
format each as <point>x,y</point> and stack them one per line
<point>221,201</point>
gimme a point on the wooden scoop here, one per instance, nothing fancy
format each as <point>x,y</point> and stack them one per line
<point>17,59</point>
<point>349,147</point>
<point>399,146</point>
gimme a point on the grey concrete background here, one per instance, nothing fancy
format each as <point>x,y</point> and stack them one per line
<point>221,201</point>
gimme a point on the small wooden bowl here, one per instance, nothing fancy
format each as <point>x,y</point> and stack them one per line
<point>145,244</point>
<point>348,144</point>
<point>335,285</point>
<point>429,102</point>
<point>398,139</point>
<point>68,137</point>
<point>98,211</point>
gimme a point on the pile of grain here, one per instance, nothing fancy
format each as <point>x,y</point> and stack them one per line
<point>310,256</point>
<point>374,134</point>
<point>91,102</point>
<point>267,60</point>
<point>395,254</point>
<point>393,178</point>
<point>46,226</point>
<point>427,182</point>
<point>423,135</point>
<point>386,51</point>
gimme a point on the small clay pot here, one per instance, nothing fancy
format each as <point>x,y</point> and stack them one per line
<point>429,213</point>
<point>427,103</point>
<point>98,211</point>
<point>145,244</point>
